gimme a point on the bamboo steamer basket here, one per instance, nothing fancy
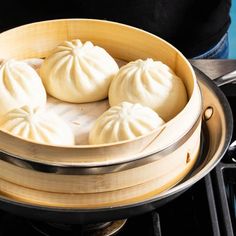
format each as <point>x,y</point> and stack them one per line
<point>88,176</point>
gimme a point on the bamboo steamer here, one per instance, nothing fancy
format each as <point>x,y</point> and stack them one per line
<point>103,175</point>
<point>112,189</point>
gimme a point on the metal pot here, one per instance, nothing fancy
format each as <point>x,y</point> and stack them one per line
<point>36,180</point>
<point>216,135</point>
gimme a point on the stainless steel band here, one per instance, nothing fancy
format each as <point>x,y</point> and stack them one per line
<point>77,170</point>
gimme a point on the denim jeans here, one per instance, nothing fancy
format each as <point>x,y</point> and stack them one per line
<point>219,51</point>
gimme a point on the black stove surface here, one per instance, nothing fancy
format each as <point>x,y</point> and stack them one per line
<point>187,215</point>
<point>196,212</point>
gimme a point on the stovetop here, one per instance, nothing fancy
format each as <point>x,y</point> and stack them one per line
<point>207,208</point>
<point>190,214</point>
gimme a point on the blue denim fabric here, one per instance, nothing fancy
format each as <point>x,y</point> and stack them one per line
<point>219,51</point>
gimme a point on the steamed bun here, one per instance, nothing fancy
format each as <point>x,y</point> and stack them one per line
<point>77,72</point>
<point>20,85</point>
<point>37,125</point>
<point>150,83</point>
<point>122,122</point>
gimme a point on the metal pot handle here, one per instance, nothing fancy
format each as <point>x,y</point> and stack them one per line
<point>225,79</point>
